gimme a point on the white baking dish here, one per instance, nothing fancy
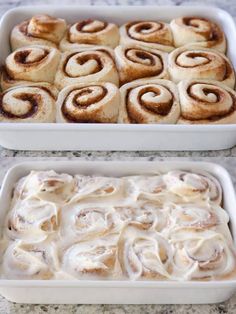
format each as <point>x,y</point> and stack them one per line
<point>116,137</point>
<point>118,292</point>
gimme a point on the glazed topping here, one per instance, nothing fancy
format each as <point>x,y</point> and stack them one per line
<point>168,226</point>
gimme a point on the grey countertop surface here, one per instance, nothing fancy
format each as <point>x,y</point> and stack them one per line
<point>6,160</point>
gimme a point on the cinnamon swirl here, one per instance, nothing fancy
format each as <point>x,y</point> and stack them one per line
<point>86,66</point>
<point>91,103</point>
<point>30,64</point>
<point>39,30</point>
<point>90,33</point>
<point>30,103</point>
<point>152,34</point>
<point>149,101</point>
<point>197,32</point>
<point>184,63</point>
<point>206,102</point>
<point>138,62</point>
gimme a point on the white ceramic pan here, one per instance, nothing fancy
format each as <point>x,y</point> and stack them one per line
<point>118,292</point>
<point>114,136</point>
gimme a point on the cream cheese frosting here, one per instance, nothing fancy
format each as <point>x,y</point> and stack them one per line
<point>165,226</point>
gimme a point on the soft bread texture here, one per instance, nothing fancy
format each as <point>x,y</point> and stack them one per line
<point>34,103</point>
<point>88,33</point>
<point>149,101</point>
<point>206,102</point>
<point>152,34</point>
<point>91,103</point>
<point>95,64</point>
<point>185,63</point>
<point>134,62</point>
<point>197,32</point>
<point>39,30</point>
<point>30,64</point>
<point>167,226</point>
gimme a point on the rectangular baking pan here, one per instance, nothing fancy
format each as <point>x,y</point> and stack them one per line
<point>116,136</point>
<point>118,292</point>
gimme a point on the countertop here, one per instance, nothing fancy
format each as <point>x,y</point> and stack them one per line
<point>229,163</point>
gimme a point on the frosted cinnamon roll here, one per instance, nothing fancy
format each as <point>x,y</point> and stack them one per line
<point>135,62</point>
<point>197,217</point>
<point>45,185</point>
<point>197,32</point>
<point>29,261</point>
<point>30,64</point>
<point>86,66</point>
<point>34,103</point>
<point>83,222</point>
<point>90,33</point>
<point>90,260</point>
<point>203,255</point>
<point>144,254</point>
<point>206,102</point>
<point>199,63</point>
<point>32,221</point>
<point>39,30</point>
<point>91,103</point>
<point>152,34</point>
<point>192,186</point>
<point>149,101</point>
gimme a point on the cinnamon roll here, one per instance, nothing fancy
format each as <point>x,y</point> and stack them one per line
<point>86,66</point>
<point>29,261</point>
<point>135,62</point>
<point>34,103</point>
<point>152,34</point>
<point>30,64</point>
<point>90,33</point>
<point>206,102</point>
<point>91,103</point>
<point>197,32</point>
<point>192,186</point>
<point>47,186</point>
<point>32,220</point>
<point>199,63</point>
<point>90,260</point>
<point>39,30</point>
<point>149,101</point>
<point>144,254</point>
<point>205,255</point>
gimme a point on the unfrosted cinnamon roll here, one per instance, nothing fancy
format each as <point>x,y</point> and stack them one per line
<point>46,186</point>
<point>29,103</point>
<point>205,255</point>
<point>144,254</point>
<point>90,33</point>
<point>91,103</point>
<point>149,101</point>
<point>197,32</point>
<point>90,260</point>
<point>30,64</point>
<point>32,220</point>
<point>39,30</point>
<point>135,62</point>
<point>152,34</point>
<point>95,64</point>
<point>192,186</point>
<point>206,102</point>
<point>199,63</point>
<point>29,261</point>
